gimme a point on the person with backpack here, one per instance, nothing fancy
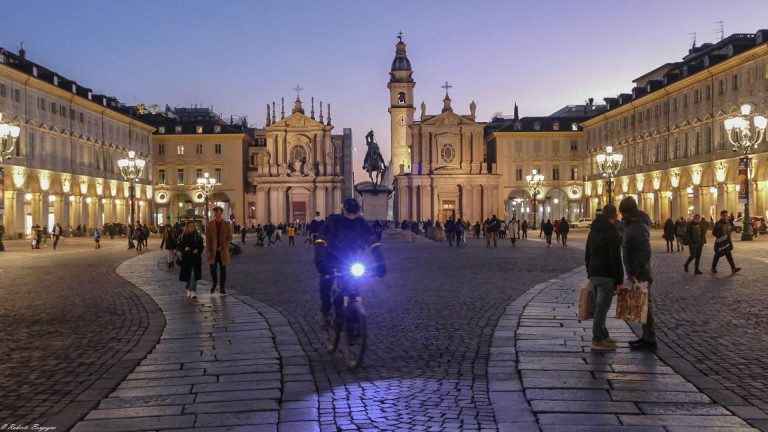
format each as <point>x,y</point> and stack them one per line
<point>547,228</point>
<point>723,243</point>
<point>565,227</point>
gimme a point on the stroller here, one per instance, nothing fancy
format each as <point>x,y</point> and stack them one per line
<point>259,239</point>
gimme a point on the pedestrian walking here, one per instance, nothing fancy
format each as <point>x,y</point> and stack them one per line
<point>291,235</point>
<point>524,227</point>
<point>217,240</point>
<point>696,234</point>
<point>459,229</point>
<point>131,233</point>
<point>547,228</point>
<point>680,233</point>
<point>513,226</point>
<point>605,271</point>
<point>565,227</point>
<point>636,251</point>
<point>170,243</point>
<point>139,237</point>
<point>38,237</point>
<point>269,231</point>
<point>57,231</point>
<point>492,227</point>
<point>477,229</point>
<point>669,234</point>
<point>97,239</point>
<point>191,246</point>
<point>556,226</point>
<point>723,243</point>
<point>242,235</point>
<point>450,231</point>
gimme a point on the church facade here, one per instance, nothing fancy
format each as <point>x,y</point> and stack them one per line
<point>440,160</point>
<point>302,169</point>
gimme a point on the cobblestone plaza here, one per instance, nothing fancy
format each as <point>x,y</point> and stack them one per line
<point>487,339</point>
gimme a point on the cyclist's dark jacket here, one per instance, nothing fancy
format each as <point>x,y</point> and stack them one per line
<point>340,240</point>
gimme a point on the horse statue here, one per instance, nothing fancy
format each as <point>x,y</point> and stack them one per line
<point>374,161</point>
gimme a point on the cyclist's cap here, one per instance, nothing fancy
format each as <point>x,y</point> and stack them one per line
<point>351,205</point>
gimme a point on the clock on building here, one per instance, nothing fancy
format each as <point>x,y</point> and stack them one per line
<point>401,119</point>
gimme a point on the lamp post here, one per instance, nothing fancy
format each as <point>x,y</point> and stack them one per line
<point>535,180</point>
<point>205,184</point>
<point>609,164</point>
<point>132,168</point>
<point>9,135</point>
<point>743,139</point>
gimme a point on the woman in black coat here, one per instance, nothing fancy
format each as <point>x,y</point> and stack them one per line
<point>669,234</point>
<point>191,246</point>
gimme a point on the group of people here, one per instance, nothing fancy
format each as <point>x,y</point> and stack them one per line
<point>693,234</point>
<point>186,248</point>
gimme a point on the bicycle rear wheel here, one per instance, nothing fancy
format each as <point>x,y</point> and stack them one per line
<point>355,334</point>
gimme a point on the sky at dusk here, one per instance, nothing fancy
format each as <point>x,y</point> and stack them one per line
<point>237,56</point>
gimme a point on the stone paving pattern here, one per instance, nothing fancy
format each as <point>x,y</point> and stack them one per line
<point>71,329</point>
<point>221,362</point>
<point>543,375</point>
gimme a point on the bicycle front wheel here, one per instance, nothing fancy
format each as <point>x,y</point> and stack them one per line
<point>355,334</point>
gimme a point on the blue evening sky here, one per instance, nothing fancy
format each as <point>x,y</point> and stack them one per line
<point>237,56</point>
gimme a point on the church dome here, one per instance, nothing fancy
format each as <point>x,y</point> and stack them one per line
<point>401,62</point>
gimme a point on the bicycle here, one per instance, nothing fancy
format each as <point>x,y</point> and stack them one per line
<point>345,324</point>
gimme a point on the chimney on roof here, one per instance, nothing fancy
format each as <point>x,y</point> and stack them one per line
<point>591,101</point>
<point>22,51</point>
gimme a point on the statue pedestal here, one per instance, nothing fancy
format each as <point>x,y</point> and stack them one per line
<point>374,199</point>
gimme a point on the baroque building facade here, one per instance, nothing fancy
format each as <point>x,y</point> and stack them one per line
<point>187,143</point>
<point>440,161</point>
<point>302,167</point>
<point>64,167</point>
<point>551,145</point>
<point>677,156</point>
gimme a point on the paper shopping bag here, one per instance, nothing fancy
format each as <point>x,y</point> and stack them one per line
<point>632,303</point>
<point>586,302</point>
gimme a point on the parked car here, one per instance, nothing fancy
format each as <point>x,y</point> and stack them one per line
<point>582,223</point>
<point>738,225</point>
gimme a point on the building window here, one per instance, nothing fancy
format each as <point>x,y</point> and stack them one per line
<point>198,173</point>
<point>448,153</point>
<point>198,129</point>
<point>298,153</point>
<point>709,140</point>
<point>161,176</point>
<point>698,143</point>
<point>17,95</point>
<point>537,126</point>
<point>199,149</point>
<point>81,118</point>
<point>217,129</point>
<point>518,126</point>
<point>161,149</point>
<point>735,82</point>
<point>41,104</point>
<point>54,108</point>
<point>519,174</point>
<point>556,126</point>
<point>217,175</point>
<point>574,126</point>
<point>63,111</point>
<point>574,145</point>
<point>180,149</point>
<point>3,90</point>
<point>574,173</point>
<point>217,148</point>
<point>555,173</point>
<point>708,92</point>
<point>674,105</point>
<point>161,130</point>
<point>251,210</point>
<point>721,87</point>
<point>180,176</point>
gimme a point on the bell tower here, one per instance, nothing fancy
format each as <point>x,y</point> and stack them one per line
<point>401,109</point>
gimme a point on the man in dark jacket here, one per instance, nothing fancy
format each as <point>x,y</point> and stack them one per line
<point>669,234</point>
<point>603,260</point>
<point>636,249</point>
<point>450,231</point>
<point>723,243</point>
<point>696,233</point>
<point>492,227</point>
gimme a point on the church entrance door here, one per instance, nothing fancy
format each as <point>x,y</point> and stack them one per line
<point>298,211</point>
<point>448,210</point>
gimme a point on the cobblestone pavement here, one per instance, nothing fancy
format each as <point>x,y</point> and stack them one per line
<point>430,326</point>
<point>70,330</point>
<point>223,363</point>
<point>543,375</point>
<point>715,325</point>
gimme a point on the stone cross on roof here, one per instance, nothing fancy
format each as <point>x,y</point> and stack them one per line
<point>400,36</point>
<point>446,87</point>
<point>298,89</point>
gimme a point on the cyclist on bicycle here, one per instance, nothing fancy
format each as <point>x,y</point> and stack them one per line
<point>342,237</point>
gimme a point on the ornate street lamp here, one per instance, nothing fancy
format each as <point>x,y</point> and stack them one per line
<point>9,136</point>
<point>609,164</point>
<point>535,180</point>
<point>743,139</point>
<point>132,168</point>
<point>205,184</point>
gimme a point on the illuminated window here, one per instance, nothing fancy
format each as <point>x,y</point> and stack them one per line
<point>180,149</point>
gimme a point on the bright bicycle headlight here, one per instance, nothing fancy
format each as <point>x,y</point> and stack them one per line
<point>357,269</point>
